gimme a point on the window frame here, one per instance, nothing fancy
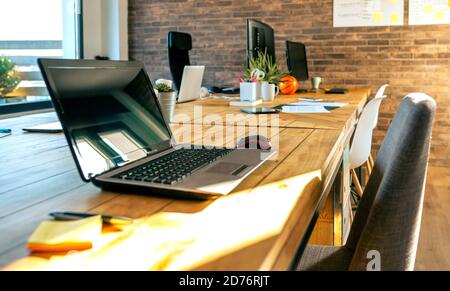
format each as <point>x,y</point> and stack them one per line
<point>31,106</point>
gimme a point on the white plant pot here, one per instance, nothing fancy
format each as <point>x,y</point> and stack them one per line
<point>250,91</point>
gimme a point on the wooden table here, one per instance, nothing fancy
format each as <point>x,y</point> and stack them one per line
<point>260,226</point>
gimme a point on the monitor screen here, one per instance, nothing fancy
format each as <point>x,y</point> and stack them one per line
<point>110,114</point>
<point>260,37</point>
<point>296,60</point>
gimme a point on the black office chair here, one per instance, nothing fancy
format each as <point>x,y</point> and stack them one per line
<point>179,45</point>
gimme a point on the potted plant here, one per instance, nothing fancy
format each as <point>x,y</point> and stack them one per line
<point>8,76</point>
<point>265,72</point>
<point>167,99</point>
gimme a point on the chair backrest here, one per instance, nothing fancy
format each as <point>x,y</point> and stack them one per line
<point>380,94</point>
<point>179,45</point>
<point>388,218</point>
<point>362,139</point>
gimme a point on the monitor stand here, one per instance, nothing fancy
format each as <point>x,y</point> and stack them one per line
<point>302,90</point>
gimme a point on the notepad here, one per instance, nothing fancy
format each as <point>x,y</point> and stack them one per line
<point>54,127</point>
<point>63,236</point>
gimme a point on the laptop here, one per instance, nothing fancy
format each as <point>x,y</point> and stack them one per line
<point>120,141</point>
<point>191,83</point>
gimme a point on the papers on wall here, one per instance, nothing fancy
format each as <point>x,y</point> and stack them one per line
<point>352,13</point>
<point>423,12</point>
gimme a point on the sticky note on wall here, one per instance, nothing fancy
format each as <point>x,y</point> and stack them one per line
<point>378,16</point>
<point>395,18</point>
<point>428,8</point>
<point>439,15</point>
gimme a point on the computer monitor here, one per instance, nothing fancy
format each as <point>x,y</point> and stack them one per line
<point>260,37</point>
<point>296,60</point>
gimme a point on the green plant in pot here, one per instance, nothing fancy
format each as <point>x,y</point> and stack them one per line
<point>8,76</point>
<point>167,99</point>
<point>264,69</point>
<point>266,73</point>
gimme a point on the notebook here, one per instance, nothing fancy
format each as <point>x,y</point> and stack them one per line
<point>63,236</point>
<point>54,127</point>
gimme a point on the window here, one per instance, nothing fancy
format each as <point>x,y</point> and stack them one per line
<point>32,29</point>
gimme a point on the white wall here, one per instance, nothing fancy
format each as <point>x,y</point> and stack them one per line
<point>105,25</point>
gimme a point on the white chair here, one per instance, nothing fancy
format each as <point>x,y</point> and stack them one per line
<point>360,151</point>
<point>380,94</point>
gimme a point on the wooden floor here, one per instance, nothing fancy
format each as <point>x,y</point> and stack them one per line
<point>434,244</point>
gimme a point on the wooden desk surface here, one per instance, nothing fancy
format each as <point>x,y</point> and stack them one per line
<point>259,226</point>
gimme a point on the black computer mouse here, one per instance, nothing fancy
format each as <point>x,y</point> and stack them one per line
<point>254,142</point>
<point>215,89</point>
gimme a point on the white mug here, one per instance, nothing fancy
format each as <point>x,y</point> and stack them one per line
<point>316,82</point>
<point>249,91</point>
<point>269,91</point>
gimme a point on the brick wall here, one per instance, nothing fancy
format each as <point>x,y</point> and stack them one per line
<point>410,58</point>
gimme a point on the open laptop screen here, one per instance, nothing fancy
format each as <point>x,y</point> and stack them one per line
<point>110,113</point>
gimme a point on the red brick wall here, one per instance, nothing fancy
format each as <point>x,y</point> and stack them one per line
<point>409,58</point>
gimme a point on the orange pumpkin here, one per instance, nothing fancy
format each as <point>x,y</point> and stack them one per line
<point>288,85</point>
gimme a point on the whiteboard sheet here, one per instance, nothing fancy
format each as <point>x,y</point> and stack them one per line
<point>353,13</point>
<point>422,12</point>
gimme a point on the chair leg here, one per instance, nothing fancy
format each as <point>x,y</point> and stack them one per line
<point>351,210</point>
<point>372,162</point>
<point>369,168</point>
<point>358,187</point>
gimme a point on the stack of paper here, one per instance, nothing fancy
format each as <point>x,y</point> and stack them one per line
<point>63,236</point>
<point>324,104</point>
<point>304,109</point>
<point>311,107</point>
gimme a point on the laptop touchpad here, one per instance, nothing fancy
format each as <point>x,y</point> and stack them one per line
<point>229,169</point>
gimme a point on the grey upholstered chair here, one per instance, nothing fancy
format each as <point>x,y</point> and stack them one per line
<point>387,221</point>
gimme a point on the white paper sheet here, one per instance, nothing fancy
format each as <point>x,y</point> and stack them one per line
<point>323,104</point>
<point>422,12</point>
<point>352,13</point>
<point>304,109</point>
<point>310,99</point>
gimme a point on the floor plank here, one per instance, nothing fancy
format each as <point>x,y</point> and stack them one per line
<point>434,243</point>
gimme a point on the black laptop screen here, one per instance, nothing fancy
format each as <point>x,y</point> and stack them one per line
<point>110,114</point>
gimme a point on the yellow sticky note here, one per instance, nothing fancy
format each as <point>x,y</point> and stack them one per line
<point>378,16</point>
<point>395,18</point>
<point>439,15</point>
<point>60,236</point>
<point>428,8</point>
<point>448,3</point>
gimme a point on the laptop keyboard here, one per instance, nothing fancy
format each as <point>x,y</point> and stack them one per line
<point>174,167</point>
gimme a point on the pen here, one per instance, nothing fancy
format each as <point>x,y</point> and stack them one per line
<point>5,130</point>
<point>114,220</point>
